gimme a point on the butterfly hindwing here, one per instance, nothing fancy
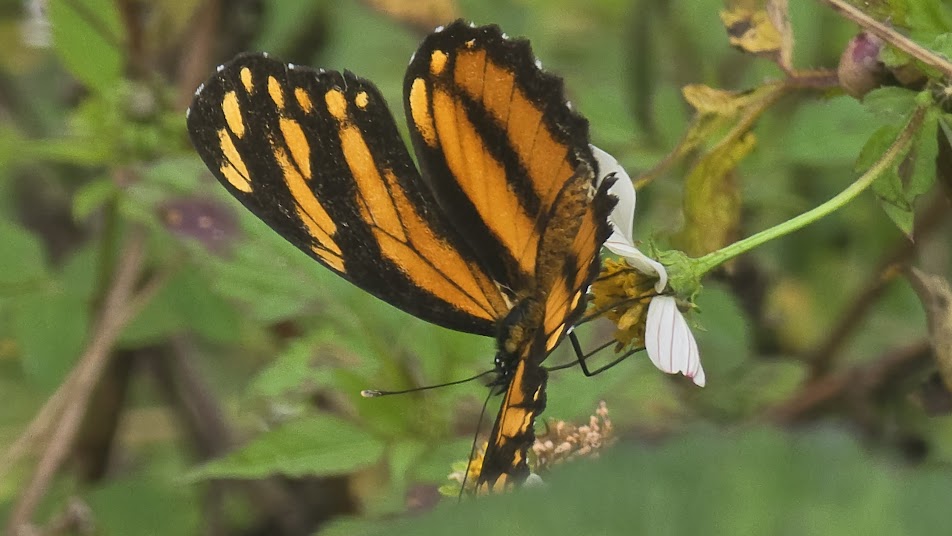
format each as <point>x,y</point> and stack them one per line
<point>568,263</point>
<point>316,155</point>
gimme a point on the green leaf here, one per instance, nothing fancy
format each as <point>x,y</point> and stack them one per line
<point>943,45</point>
<point>925,150</point>
<point>186,302</point>
<point>890,103</point>
<point>792,138</point>
<point>296,366</point>
<point>315,446</point>
<point>88,37</point>
<point>759,482</point>
<point>875,146</point>
<point>914,174</point>
<point>888,189</point>
<point>93,195</point>
<point>23,260</point>
<point>144,505</point>
<point>51,330</point>
<point>928,18</point>
<point>50,322</point>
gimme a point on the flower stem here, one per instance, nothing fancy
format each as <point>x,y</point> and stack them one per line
<point>898,149</point>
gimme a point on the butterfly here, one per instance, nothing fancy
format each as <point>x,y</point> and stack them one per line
<point>496,233</point>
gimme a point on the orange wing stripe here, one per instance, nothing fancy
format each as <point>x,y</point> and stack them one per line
<point>482,178</point>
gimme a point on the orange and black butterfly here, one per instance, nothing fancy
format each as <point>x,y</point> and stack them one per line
<point>498,231</point>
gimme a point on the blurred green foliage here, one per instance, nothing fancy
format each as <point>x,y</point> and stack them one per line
<point>93,145</point>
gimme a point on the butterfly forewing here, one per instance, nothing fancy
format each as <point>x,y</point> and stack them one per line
<point>317,156</point>
<point>482,112</point>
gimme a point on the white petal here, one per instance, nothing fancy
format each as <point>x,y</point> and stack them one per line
<point>623,216</point>
<point>638,260</point>
<point>620,242</point>
<point>669,341</point>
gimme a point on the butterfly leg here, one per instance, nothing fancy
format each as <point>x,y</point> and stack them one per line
<point>582,356</point>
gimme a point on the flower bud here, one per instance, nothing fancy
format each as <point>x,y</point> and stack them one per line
<point>860,70</point>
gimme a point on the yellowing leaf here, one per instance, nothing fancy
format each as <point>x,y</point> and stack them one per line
<point>712,199</point>
<point>751,30</point>
<point>720,110</point>
<point>709,100</point>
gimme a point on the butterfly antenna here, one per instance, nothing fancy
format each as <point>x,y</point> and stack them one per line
<point>373,393</point>
<point>472,451</point>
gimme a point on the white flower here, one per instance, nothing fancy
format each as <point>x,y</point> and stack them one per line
<point>668,339</point>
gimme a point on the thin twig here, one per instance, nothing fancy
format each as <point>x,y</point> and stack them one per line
<point>819,80</point>
<point>116,312</point>
<point>891,36</point>
<point>865,381</point>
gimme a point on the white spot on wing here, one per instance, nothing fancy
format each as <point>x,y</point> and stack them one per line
<point>265,55</point>
<point>291,66</point>
<point>438,29</point>
<point>188,112</point>
<point>472,24</point>
<point>220,68</point>
<point>538,63</point>
<point>505,36</point>
<point>568,104</point>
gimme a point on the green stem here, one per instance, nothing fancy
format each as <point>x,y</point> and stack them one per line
<point>898,148</point>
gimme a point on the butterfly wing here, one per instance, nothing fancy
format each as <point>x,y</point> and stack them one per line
<point>568,263</point>
<point>482,111</point>
<point>316,155</point>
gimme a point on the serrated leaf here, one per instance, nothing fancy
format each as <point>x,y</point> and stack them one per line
<point>898,187</point>
<point>875,146</point>
<point>889,191</point>
<point>316,446</point>
<point>920,170</point>
<point>88,37</point>
<point>890,102</point>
